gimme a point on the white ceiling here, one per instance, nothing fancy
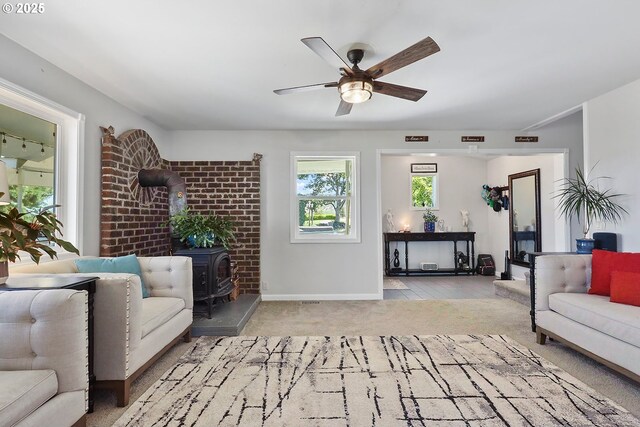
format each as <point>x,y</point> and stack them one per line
<point>504,64</point>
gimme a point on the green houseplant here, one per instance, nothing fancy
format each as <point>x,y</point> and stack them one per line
<point>583,198</point>
<point>430,220</point>
<point>33,235</point>
<point>202,231</point>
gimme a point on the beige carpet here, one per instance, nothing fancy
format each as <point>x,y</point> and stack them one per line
<point>449,317</point>
<point>389,283</point>
<point>483,380</point>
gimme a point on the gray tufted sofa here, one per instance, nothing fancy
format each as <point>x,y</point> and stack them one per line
<point>131,333</point>
<point>43,358</point>
<point>605,331</point>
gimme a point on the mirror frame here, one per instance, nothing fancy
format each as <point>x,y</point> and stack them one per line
<point>538,243</point>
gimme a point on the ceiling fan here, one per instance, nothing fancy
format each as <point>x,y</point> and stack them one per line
<point>358,85</point>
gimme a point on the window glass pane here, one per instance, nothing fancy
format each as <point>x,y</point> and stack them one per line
<point>324,201</point>
<point>324,177</point>
<point>322,216</point>
<point>423,191</point>
<point>27,147</point>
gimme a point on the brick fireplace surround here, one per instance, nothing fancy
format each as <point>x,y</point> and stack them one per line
<point>131,216</point>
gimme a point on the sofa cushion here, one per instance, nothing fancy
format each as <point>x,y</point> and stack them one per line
<point>157,311</point>
<point>625,287</point>
<point>604,262</point>
<point>46,266</point>
<point>597,312</point>
<point>22,392</point>
<point>124,264</point>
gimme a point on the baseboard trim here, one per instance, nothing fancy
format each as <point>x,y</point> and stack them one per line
<point>320,297</point>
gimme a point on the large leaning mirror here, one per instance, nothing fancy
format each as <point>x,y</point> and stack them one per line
<point>524,216</point>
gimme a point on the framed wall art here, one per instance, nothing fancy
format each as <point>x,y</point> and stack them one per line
<point>424,167</point>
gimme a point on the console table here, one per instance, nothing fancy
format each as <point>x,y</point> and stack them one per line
<point>458,236</point>
<point>522,236</point>
<point>61,281</point>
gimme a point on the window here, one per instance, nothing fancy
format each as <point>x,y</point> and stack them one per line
<point>424,191</point>
<point>324,205</point>
<point>28,149</point>
<point>56,176</point>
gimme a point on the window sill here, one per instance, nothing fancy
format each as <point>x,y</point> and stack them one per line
<point>339,240</point>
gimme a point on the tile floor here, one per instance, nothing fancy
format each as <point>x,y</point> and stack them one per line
<point>442,287</point>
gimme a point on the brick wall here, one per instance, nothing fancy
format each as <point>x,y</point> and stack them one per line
<point>131,215</point>
<point>230,189</point>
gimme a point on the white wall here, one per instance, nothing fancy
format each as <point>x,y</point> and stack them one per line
<point>23,68</point>
<point>568,132</point>
<point>325,270</point>
<point>612,145</point>
<point>459,181</point>
<point>552,227</point>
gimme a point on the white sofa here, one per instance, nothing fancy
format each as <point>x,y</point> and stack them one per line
<point>43,358</point>
<point>131,333</point>
<point>605,331</point>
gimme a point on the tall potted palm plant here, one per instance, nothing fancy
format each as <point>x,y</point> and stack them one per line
<point>584,199</point>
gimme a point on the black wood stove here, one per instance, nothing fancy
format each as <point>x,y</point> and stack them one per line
<point>211,273</point>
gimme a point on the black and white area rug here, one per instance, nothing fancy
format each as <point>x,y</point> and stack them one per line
<point>461,380</point>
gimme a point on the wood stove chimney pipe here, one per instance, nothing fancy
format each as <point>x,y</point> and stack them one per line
<point>175,185</point>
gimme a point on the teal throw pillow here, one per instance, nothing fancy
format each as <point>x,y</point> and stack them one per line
<point>124,264</point>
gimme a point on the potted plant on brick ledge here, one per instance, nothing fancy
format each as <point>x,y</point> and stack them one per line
<point>430,220</point>
<point>32,233</point>
<point>580,197</point>
<point>202,231</point>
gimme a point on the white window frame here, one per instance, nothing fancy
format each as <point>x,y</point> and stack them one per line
<point>354,235</point>
<point>436,192</point>
<point>69,166</point>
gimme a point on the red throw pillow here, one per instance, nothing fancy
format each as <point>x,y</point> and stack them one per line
<point>604,262</point>
<point>625,287</point>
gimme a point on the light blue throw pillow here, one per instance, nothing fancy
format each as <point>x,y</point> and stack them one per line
<point>124,264</point>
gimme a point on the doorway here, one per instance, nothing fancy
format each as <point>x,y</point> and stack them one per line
<point>460,177</point>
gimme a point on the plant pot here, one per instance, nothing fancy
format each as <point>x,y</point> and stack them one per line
<point>429,227</point>
<point>584,246</point>
<point>4,271</point>
<point>208,238</point>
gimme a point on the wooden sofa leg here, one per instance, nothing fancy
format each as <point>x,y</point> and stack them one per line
<point>187,336</point>
<point>82,422</point>
<point>540,337</point>
<point>122,389</point>
<point>123,392</point>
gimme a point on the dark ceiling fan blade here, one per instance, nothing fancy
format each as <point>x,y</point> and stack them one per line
<point>322,49</point>
<point>344,108</point>
<point>403,92</point>
<point>414,53</point>
<point>307,88</point>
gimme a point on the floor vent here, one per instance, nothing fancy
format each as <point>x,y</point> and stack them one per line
<point>310,302</point>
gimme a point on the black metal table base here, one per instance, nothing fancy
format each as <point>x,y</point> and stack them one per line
<point>459,236</point>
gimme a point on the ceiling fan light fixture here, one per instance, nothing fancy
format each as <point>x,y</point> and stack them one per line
<point>355,91</point>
